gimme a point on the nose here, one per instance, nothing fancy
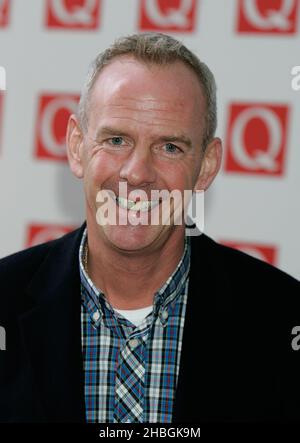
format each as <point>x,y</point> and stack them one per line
<point>138,169</point>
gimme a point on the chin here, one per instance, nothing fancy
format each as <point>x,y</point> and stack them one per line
<point>133,238</point>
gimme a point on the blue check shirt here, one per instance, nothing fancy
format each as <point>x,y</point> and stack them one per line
<point>131,371</point>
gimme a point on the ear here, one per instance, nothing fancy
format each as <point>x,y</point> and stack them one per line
<point>74,141</point>
<point>210,165</point>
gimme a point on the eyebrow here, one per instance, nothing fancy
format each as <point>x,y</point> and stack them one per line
<point>107,130</point>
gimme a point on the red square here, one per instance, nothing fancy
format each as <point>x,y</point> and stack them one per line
<point>54,111</point>
<point>73,14</point>
<point>256,138</point>
<point>267,16</point>
<point>167,15</point>
<point>267,253</point>
<point>4,12</point>
<point>41,233</point>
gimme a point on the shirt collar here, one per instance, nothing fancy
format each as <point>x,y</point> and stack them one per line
<point>164,298</point>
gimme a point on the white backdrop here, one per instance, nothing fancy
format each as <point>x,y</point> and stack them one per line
<point>250,45</point>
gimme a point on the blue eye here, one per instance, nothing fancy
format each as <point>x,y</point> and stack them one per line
<point>171,148</point>
<point>117,141</point>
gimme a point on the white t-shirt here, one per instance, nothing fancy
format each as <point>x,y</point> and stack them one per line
<point>135,316</point>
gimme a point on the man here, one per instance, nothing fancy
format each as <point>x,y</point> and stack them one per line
<point>125,320</point>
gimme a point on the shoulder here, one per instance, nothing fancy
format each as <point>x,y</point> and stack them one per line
<point>249,284</point>
<point>18,269</point>
<point>241,267</point>
<point>255,269</point>
<point>16,272</point>
<point>31,257</point>
<point>24,262</point>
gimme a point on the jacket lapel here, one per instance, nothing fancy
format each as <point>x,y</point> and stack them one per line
<point>52,332</point>
<point>208,304</point>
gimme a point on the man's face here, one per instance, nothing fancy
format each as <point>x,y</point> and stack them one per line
<point>145,127</point>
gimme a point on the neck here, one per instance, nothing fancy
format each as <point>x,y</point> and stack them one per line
<point>130,281</point>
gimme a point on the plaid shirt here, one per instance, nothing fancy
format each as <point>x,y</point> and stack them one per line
<point>112,346</point>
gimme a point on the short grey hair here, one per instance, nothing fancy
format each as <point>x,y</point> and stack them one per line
<point>159,49</point>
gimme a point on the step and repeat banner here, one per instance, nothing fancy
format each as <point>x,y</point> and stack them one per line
<point>252,46</point>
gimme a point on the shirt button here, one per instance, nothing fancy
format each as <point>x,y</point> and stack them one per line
<point>133,343</point>
<point>164,315</point>
<point>96,316</point>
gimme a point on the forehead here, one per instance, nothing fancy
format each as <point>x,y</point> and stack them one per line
<point>125,80</point>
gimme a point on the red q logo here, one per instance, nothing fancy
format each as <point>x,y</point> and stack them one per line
<point>167,15</point>
<point>267,16</point>
<point>73,14</point>
<point>4,9</point>
<point>256,139</point>
<point>266,253</point>
<point>38,233</point>
<point>53,115</point>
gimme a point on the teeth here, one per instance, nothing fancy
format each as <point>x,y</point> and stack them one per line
<point>124,203</point>
<point>138,206</point>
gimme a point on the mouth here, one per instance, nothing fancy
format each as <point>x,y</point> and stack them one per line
<point>143,206</point>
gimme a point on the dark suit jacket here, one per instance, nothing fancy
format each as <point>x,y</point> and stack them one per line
<point>237,362</point>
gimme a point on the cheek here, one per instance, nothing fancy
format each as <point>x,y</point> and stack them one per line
<point>100,168</point>
<point>179,176</point>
